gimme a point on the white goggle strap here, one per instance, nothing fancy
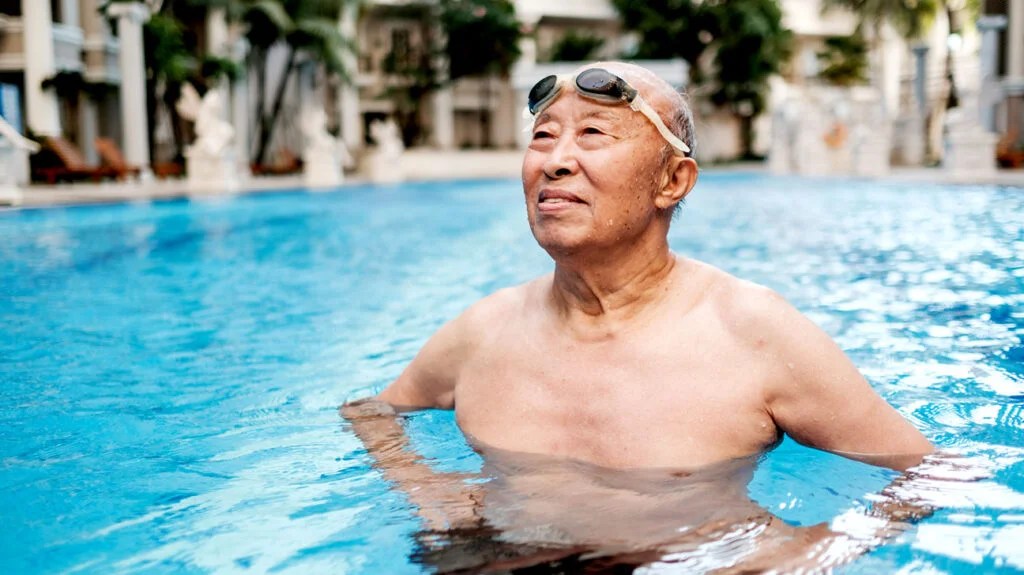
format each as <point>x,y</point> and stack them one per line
<point>638,104</point>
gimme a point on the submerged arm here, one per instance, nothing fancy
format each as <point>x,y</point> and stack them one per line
<point>444,500</point>
<point>818,397</point>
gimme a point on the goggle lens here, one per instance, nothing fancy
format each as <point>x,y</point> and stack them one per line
<point>542,92</point>
<point>600,82</point>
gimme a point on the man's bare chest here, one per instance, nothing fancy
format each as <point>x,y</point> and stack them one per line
<point>627,402</point>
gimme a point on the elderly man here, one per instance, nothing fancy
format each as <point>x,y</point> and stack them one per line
<point>628,356</point>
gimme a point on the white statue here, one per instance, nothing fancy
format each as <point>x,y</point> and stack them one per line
<point>386,160</point>
<point>14,150</point>
<point>210,160</point>
<point>970,149</point>
<point>323,155</point>
<point>213,134</point>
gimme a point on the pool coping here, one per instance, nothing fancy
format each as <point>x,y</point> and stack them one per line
<point>420,167</point>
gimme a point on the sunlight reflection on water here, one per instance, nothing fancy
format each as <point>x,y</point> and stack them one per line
<point>171,371</point>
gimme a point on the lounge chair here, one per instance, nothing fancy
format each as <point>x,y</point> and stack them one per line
<point>1007,154</point>
<point>286,163</point>
<point>112,157</point>
<point>72,164</point>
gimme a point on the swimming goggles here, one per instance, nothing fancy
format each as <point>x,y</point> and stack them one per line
<point>599,84</point>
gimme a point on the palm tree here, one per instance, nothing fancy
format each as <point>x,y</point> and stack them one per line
<point>747,37</point>
<point>483,40</point>
<point>170,62</point>
<point>751,46</point>
<point>304,28</point>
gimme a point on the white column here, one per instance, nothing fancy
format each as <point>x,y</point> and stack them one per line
<point>130,18</point>
<point>444,104</point>
<point>217,44</point>
<point>43,113</point>
<point>989,26</point>
<point>504,122</point>
<point>1015,39</point>
<point>444,118</point>
<point>348,95</point>
<point>1014,83</point>
<point>88,128</point>
<point>523,75</point>
<point>240,109</point>
<point>69,13</point>
<point>217,39</point>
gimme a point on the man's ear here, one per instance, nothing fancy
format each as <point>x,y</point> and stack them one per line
<point>677,180</point>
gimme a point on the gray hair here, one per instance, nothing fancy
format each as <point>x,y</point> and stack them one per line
<point>680,123</point>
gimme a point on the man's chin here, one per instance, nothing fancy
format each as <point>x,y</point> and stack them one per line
<point>561,244</point>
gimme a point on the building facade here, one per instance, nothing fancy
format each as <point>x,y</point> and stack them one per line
<point>63,73</point>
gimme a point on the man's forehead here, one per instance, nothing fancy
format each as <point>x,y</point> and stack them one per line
<point>589,109</point>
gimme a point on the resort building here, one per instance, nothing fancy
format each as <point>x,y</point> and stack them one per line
<point>68,71</point>
<point>59,70</point>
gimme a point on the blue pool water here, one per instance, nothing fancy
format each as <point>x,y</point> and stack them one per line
<point>170,372</point>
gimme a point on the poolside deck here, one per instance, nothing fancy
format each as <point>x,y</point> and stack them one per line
<point>418,165</point>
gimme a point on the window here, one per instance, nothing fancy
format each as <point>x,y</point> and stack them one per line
<point>400,48</point>
<point>10,7</point>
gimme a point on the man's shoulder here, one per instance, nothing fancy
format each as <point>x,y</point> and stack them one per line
<point>745,308</point>
<point>501,305</point>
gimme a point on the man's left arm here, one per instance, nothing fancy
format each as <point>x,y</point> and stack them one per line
<point>817,396</point>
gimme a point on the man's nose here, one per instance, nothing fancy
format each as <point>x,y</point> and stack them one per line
<point>561,161</point>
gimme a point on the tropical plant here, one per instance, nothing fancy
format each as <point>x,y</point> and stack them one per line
<point>575,47</point>
<point>670,29</point>
<point>910,18</point>
<point>172,58</point>
<point>747,38</point>
<point>303,27</point>
<point>751,45</point>
<point>483,40</point>
<point>483,36</point>
<point>844,60</point>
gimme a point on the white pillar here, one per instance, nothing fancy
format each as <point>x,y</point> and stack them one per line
<point>1014,83</point>
<point>130,18</point>
<point>989,26</point>
<point>444,118</point>
<point>444,103</point>
<point>348,95</point>
<point>217,40</point>
<point>240,109</point>
<point>1015,39</point>
<point>43,113</point>
<point>88,128</point>
<point>522,71</point>
<point>217,44</point>
<point>69,13</point>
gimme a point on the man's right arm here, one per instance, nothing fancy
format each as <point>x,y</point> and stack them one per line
<point>429,380</point>
<point>444,500</point>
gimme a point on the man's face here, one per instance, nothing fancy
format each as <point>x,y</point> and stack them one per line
<point>590,174</point>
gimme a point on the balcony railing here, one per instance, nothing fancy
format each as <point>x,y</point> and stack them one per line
<point>101,59</point>
<point>12,43</point>
<point>67,45</point>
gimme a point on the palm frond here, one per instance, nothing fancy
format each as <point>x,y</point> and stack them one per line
<point>322,37</point>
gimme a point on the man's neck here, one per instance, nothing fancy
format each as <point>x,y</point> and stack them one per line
<point>604,290</point>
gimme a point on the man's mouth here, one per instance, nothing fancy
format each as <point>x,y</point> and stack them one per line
<point>554,197</point>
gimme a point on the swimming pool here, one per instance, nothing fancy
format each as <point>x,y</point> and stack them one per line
<point>170,372</point>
